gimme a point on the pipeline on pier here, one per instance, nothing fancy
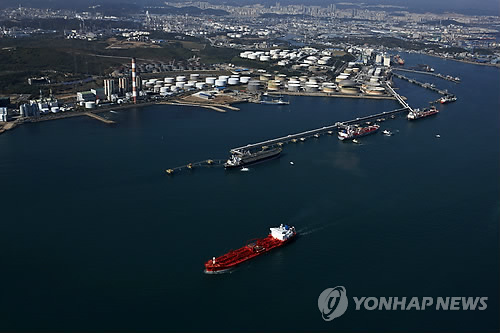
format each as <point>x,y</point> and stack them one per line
<point>314,132</point>
<point>423,85</point>
<point>441,76</point>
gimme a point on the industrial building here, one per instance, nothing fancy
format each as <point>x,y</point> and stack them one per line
<point>109,88</point>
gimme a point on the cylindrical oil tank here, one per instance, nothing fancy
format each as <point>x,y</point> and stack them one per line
<point>253,85</point>
<point>164,89</point>
<point>89,105</point>
<point>200,85</point>
<point>341,78</point>
<point>169,80</point>
<point>312,88</point>
<point>210,80</point>
<point>220,83</point>
<point>233,81</point>
<point>223,77</point>
<point>194,76</point>
<point>294,87</point>
<point>244,79</point>
<point>180,84</point>
<point>180,78</point>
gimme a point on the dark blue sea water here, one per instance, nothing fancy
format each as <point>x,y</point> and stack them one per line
<point>94,236</point>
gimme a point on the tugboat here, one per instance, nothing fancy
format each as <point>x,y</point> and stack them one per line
<point>274,102</point>
<point>351,132</point>
<point>241,158</point>
<point>277,237</point>
<point>447,99</point>
<point>387,132</point>
<point>417,113</point>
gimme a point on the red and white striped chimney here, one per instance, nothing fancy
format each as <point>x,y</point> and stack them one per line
<point>134,83</point>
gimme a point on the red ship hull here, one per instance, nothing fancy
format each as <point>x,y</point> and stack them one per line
<point>247,252</point>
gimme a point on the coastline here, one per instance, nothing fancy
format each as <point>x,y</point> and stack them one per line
<point>464,61</point>
<point>211,106</point>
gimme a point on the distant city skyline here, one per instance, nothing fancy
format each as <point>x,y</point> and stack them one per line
<point>480,7</point>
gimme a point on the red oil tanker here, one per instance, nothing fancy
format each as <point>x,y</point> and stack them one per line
<point>277,237</point>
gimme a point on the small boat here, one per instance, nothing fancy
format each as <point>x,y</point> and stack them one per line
<point>316,135</point>
<point>245,169</point>
<point>438,136</point>
<point>447,99</point>
<point>387,132</point>
<point>393,117</point>
<point>355,141</point>
<point>291,163</point>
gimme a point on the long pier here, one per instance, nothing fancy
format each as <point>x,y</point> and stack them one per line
<point>104,120</point>
<point>441,76</point>
<point>398,97</point>
<point>190,166</point>
<point>423,85</point>
<point>302,136</point>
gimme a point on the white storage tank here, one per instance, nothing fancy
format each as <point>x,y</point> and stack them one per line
<point>220,83</point>
<point>265,58</point>
<point>200,85</point>
<point>312,88</point>
<point>194,76</point>
<point>180,84</point>
<point>157,87</point>
<point>293,87</point>
<point>210,80</point>
<point>164,89</point>
<point>180,78</point>
<point>192,82</point>
<point>223,77</point>
<point>54,109</point>
<point>252,56</point>
<point>245,79</point>
<point>233,81</point>
<point>169,80</point>
<point>341,77</point>
<point>89,105</point>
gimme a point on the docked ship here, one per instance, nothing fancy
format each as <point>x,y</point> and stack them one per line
<point>417,113</point>
<point>240,158</point>
<point>447,99</point>
<point>351,132</point>
<point>277,237</point>
<point>398,60</point>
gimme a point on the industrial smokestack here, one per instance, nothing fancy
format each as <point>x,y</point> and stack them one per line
<point>134,83</point>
